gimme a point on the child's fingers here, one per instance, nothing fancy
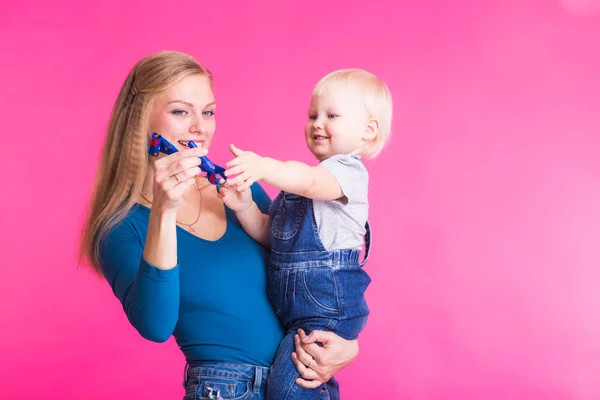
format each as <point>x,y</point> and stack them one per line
<point>229,183</point>
<point>246,185</point>
<point>236,161</point>
<point>235,151</point>
<point>226,188</point>
<point>226,194</point>
<point>241,178</point>
<point>235,170</point>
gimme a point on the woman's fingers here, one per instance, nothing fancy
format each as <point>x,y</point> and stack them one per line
<point>304,372</point>
<point>188,173</point>
<point>182,165</point>
<point>167,182</point>
<point>315,336</point>
<point>164,162</point>
<point>301,354</point>
<point>178,167</point>
<point>173,190</point>
<point>308,384</point>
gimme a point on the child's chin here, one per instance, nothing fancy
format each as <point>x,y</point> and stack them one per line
<point>320,155</point>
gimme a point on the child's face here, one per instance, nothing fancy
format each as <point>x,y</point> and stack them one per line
<point>337,122</point>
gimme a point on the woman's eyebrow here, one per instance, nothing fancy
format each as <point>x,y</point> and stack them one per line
<point>183,102</point>
<point>190,104</point>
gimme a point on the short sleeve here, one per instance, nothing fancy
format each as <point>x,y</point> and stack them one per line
<point>351,174</point>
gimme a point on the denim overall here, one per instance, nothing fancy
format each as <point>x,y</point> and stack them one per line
<point>310,288</point>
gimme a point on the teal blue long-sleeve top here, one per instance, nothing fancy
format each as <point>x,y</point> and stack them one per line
<point>214,302</point>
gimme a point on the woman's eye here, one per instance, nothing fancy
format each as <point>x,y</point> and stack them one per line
<point>179,112</point>
<point>208,113</point>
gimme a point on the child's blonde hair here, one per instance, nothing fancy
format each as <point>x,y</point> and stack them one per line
<point>377,99</point>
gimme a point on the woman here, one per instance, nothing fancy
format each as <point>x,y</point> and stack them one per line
<point>176,258</point>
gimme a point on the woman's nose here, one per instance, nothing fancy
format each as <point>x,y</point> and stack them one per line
<point>198,125</point>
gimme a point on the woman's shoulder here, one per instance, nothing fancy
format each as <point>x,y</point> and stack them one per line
<point>130,226</point>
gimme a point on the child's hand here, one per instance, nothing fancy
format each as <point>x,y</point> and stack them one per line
<point>237,200</point>
<point>250,167</point>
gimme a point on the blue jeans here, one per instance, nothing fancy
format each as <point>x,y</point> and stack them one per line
<point>282,385</point>
<point>310,288</point>
<point>227,381</point>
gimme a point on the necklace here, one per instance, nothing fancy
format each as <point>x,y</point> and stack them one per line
<point>189,226</point>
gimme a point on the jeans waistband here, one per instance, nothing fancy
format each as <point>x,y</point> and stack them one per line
<point>254,373</point>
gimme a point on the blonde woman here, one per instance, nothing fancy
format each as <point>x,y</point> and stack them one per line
<point>177,259</point>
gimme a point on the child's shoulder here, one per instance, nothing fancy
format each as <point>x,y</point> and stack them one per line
<point>344,159</point>
<point>343,163</point>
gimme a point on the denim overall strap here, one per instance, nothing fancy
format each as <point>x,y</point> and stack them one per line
<point>368,239</point>
<point>292,225</point>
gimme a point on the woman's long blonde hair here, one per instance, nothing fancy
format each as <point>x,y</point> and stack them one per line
<point>124,160</point>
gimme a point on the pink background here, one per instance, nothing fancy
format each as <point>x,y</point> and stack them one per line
<point>485,205</point>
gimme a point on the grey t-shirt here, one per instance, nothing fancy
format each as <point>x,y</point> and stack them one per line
<point>342,222</point>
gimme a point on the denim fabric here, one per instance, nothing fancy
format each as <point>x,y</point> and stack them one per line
<point>310,288</point>
<point>225,381</point>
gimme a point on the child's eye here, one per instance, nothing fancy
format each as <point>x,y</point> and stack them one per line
<point>312,117</point>
<point>208,113</point>
<point>331,116</point>
<point>179,113</point>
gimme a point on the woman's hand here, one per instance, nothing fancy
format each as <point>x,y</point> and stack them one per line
<point>317,364</point>
<point>173,174</point>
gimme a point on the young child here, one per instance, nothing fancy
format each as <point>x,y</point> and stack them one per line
<point>316,225</point>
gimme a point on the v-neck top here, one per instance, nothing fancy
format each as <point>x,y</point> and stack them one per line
<point>214,301</point>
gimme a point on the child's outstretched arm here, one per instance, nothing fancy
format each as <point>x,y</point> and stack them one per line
<point>254,222</point>
<point>290,176</point>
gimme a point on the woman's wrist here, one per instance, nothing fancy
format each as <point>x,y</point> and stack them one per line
<point>163,216</point>
<point>160,249</point>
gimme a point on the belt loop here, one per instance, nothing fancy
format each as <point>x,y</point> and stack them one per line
<point>257,379</point>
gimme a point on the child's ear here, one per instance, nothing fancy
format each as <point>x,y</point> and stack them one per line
<point>372,129</point>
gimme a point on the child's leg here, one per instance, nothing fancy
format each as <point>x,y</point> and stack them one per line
<point>282,385</point>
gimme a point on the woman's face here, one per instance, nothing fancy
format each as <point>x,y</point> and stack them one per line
<point>184,112</point>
